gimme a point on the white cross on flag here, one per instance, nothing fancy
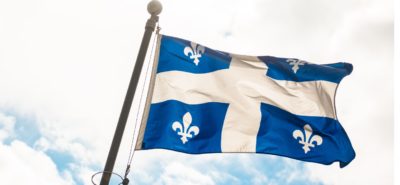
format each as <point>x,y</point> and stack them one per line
<point>207,101</point>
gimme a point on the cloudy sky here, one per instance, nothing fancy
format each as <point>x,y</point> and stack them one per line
<point>65,67</point>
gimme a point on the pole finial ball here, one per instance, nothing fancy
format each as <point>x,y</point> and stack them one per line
<point>154,7</point>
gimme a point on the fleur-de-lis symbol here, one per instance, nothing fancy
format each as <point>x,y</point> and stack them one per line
<point>194,52</point>
<point>185,130</point>
<point>295,63</point>
<point>306,138</point>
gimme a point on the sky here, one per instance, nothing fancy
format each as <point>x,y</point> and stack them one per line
<point>65,67</point>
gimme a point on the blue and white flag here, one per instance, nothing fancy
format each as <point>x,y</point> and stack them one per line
<point>207,101</point>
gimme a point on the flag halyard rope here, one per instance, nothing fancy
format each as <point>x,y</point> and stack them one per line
<point>132,147</point>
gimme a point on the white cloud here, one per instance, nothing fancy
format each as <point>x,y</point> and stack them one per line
<point>221,176</point>
<point>20,164</point>
<point>84,174</point>
<point>177,173</point>
<point>161,167</point>
<point>42,144</point>
<point>6,126</point>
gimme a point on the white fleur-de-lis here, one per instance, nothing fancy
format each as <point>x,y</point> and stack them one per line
<point>295,63</point>
<point>185,130</point>
<point>194,52</point>
<point>306,138</point>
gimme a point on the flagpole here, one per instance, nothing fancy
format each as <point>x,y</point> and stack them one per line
<point>154,8</point>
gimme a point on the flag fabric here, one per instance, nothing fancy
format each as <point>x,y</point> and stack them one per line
<point>208,101</point>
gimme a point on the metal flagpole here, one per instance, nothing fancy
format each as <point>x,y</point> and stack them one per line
<point>154,8</point>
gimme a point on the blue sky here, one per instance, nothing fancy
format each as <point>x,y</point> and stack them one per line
<point>65,66</point>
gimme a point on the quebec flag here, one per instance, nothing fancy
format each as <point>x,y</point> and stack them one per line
<point>207,101</point>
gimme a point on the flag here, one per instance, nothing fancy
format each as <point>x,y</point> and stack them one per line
<point>208,101</point>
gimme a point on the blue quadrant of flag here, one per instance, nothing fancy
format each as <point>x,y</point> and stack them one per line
<point>287,110</point>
